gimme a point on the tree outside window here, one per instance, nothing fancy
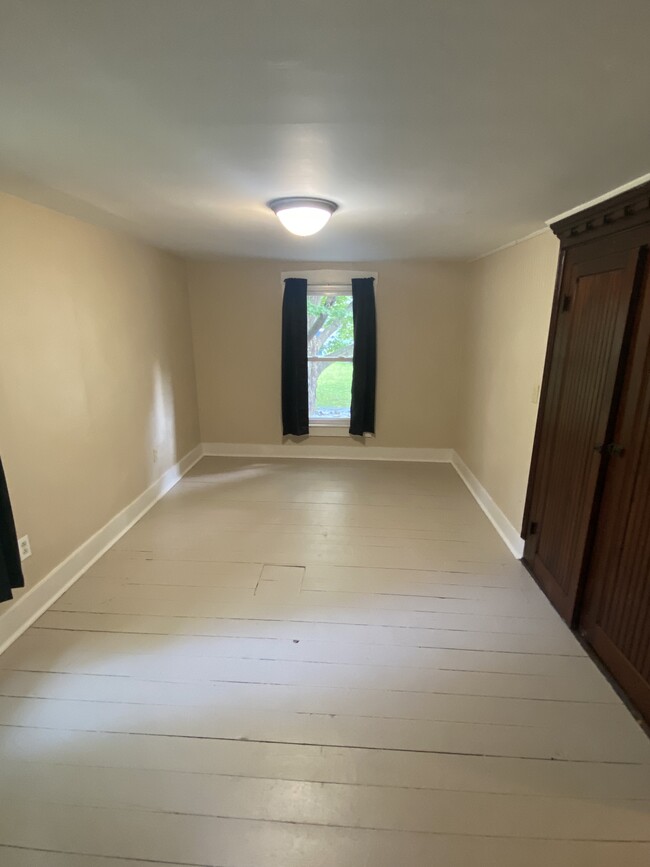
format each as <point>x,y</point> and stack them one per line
<point>330,346</point>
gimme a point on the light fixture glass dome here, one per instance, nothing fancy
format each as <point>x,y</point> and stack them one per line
<point>302,215</point>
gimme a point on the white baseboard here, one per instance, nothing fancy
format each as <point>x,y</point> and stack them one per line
<point>31,603</point>
<point>360,452</point>
<point>501,524</point>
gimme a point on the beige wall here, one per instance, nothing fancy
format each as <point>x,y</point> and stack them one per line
<point>508,312</point>
<point>236,316</point>
<point>96,372</point>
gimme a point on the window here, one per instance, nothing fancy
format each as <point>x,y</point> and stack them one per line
<point>330,345</point>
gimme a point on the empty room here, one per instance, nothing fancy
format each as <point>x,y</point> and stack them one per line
<point>324,433</point>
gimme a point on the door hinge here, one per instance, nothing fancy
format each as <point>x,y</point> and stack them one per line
<point>533,528</point>
<point>566,303</point>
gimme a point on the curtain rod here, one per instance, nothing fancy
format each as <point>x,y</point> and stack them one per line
<point>328,285</point>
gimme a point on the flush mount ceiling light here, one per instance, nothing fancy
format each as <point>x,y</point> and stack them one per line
<point>302,215</point>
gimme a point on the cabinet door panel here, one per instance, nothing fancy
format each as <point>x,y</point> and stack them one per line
<point>616,612</point>
<point>586,355</point>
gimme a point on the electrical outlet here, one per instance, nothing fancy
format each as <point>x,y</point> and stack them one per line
<point>24,547</point>
<point>155,455</point>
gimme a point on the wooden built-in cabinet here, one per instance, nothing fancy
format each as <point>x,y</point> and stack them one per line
<point>587,518</point>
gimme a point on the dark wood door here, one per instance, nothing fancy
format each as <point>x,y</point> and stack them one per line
<point>596,291</point>
<point>615,617</point>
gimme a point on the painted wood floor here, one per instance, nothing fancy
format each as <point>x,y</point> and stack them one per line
<point>308,663</point>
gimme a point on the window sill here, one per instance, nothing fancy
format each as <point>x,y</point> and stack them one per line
<point>332,429</point>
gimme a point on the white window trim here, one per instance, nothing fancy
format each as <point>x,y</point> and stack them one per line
<point>336,277</point>
<point>334,428</point>
<point>329,281</point>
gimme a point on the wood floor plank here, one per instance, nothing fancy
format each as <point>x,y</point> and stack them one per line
<point>303,676</point>
<point>329,804</point>
<point>162,688</point>
<point>444,603</point>
<point>46,648</point>
<point>208,573</point>
<point>240,604</point>
<point>562,644</point>
<point>201,840</point>
<point>353,766</point>
<point>11,856</point>
<point>519,608</point>
<point>327,729</point>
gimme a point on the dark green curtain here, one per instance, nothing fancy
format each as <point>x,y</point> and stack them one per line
<point>364,375</point>
<point>295,392</point>
<point>11,573</point>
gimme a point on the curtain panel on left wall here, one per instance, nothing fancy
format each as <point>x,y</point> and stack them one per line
<point>295,394</point>
<point>11,573</point>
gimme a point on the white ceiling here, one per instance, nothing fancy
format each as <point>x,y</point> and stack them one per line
<point>442,127</point>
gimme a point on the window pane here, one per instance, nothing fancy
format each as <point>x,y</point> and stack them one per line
<point>330,389</point>
<point>330,328</point>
